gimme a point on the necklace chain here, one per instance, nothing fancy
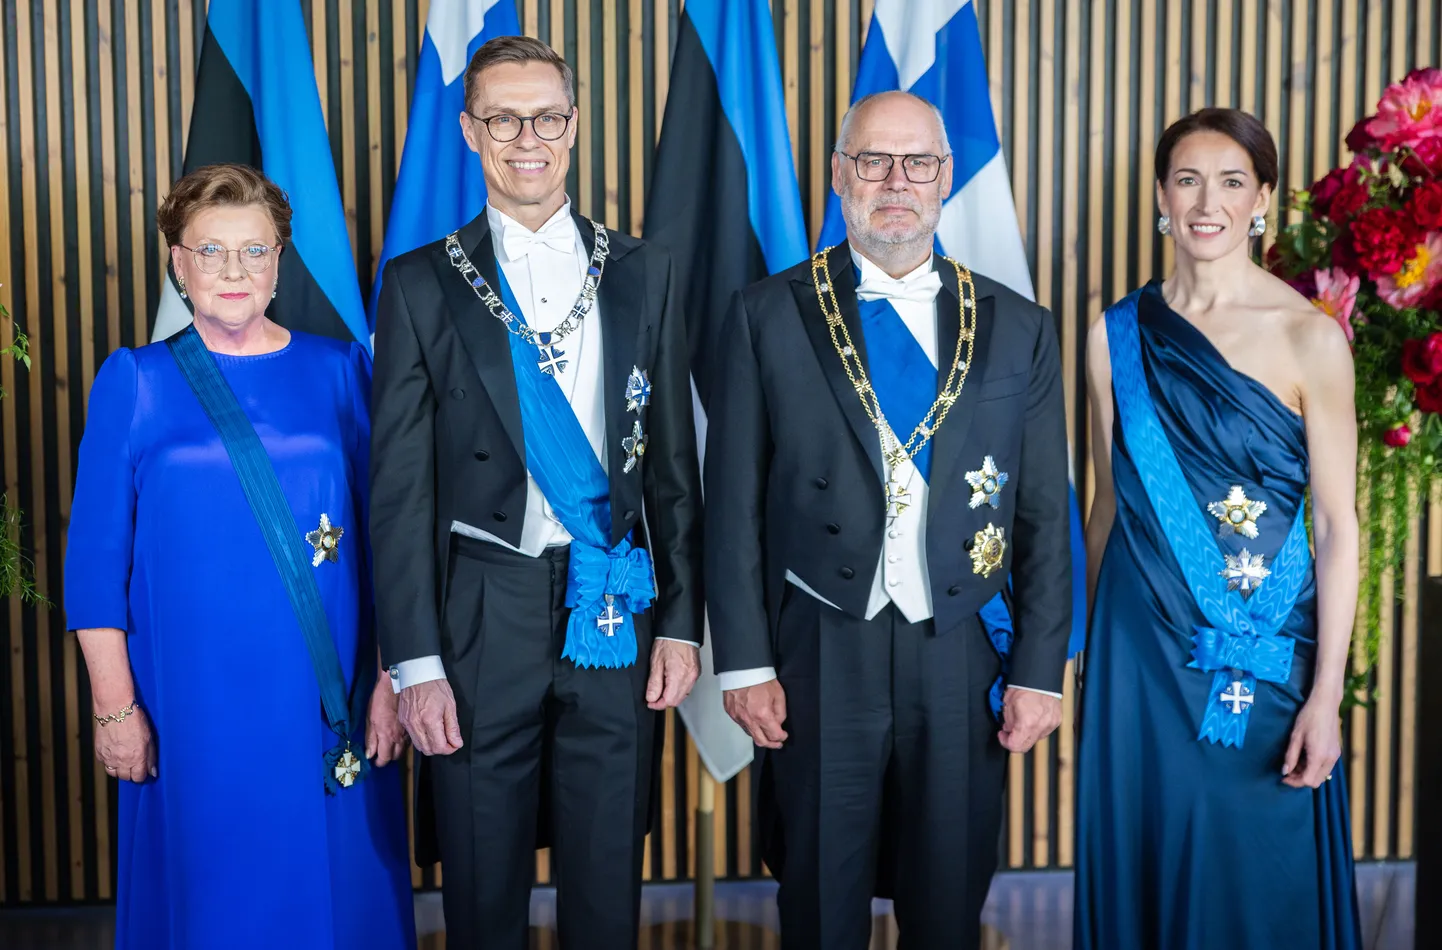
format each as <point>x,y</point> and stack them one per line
<point>488,296</point>
<point>894,452</point>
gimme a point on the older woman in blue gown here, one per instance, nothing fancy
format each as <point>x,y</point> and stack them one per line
<point>1210,812</point>
<point>235,827</point>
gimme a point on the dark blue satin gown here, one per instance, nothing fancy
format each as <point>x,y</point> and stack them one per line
<point>236,844</point>
<point>1181,843</point>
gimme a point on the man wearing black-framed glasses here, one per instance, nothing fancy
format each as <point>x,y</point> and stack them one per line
<point>535,518</point>
<point>888,572</point>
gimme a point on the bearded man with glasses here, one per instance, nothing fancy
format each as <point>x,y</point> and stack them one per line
<point>536,521</point>
<point>886,454</point>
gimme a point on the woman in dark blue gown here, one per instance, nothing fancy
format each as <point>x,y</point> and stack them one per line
<point>208,705</point>
<point>1210,812</point>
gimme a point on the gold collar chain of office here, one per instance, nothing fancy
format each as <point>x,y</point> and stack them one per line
<point>856,369</point>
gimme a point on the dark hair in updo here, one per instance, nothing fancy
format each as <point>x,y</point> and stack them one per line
<point>215,186</point>
<point>1244,129</point>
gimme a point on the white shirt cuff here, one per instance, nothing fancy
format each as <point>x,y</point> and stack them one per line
<point>1044,692</point>
<point>740,679</point>
<point>422,669</point>
<point>689,643</point>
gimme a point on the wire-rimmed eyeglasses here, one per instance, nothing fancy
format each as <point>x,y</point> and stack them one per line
<point>210,258</point>
<point>919,169</point>
<point>507,127</point>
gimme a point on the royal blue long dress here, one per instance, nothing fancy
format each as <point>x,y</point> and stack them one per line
<point>236,844</point>
<point>1185,844</point>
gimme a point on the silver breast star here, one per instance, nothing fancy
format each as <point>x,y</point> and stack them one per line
<point>986,483</point>
<point>1245,572</point>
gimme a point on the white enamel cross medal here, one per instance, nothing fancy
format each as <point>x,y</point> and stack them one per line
<point>552,358</point>
<point>896,498</point>
<point>610,618</point>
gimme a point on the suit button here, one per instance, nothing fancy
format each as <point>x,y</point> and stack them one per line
<point>969,543</point>
<point>953,590</point>
<point>458,393</point>
<point>499,515</point>
<point>847,573</point>
<point>834,528</point>
<point>482,455</point>
<point>628,515</point>
<point>821,484</point>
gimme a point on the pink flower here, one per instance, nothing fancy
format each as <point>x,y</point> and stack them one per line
<point>1410,111</point>
<point>1337,295</point>
<point>1420,276</point>
<point>1397,436</point>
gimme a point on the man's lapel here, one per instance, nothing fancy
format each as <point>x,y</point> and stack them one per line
<point>483,335</point>
<point>950,438</point>
<point>621,299</point>
<point>812,318</point>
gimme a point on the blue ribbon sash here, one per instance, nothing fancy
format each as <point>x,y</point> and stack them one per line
<point>285,542</point>
<point>605,585</point>
<point>906,382</point>
<point>1241,644</point>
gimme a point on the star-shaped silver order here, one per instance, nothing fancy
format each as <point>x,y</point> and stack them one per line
<point>986,483</point>
<point>1245,572</point>
<point>634,445</point>
<point>638,390</point>
<point>1238,512</point>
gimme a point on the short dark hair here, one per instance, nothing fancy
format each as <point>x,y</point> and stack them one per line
<point>214,186</point>
<point>1244,129</point>
<point>517,49</point>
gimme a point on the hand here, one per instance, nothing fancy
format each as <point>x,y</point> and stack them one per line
<point>385,739</point>
<point>1316,744</point>
<point>674,668</point>
<point>760,710</point>
<point>126,748</point>
<point>1027,718</point>
<point>428,713</point>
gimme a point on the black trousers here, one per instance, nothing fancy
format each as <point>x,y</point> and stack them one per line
<point>536,728</point>
<point>890,781</point>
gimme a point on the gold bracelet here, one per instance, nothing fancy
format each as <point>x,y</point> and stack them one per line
<point>118,717</point>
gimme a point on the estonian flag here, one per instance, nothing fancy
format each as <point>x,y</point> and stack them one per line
<point>933,49</point>
<point>441,186</point>
<point>256,103</point>
<point>724,202</point>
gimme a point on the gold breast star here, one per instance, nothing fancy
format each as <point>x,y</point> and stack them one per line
<point>988,549</point>
<point>1238,513</point>
<point>325,540</point>
<point>634,445</point>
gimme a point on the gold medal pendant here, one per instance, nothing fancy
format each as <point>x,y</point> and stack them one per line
<point>896,498</point>
<point>347,768</point>
<point>988,549</point>
<point>326,541</point>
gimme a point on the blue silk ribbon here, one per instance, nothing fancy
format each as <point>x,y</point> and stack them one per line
<point>1242,643</point>
<point>560,458</point>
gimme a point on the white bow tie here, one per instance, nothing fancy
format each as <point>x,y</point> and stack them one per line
<point>920,288</point>
<point>560,235</point>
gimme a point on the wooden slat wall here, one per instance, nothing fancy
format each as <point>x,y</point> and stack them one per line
<point>95,99</point>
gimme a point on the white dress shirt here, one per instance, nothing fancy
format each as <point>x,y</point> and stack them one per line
<point>545,270</point>
<point>901,576</point>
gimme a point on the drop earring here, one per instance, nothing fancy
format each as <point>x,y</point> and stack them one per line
<point>273,292</point>
<point>1259,226</point>
<point>182,289</point>
<point>1164,224</point>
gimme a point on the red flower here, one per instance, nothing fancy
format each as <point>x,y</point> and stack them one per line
<point>1326,189</point>
<point>1426,205</point>
<point>1349,199</point>
<point>1344,256</point>
<point>1429,398</point>
<point>1422,360</point>
<point>1425,160</point>
<point>1359,140</point>
<point>1384,239</point>
<point>1397,436</point>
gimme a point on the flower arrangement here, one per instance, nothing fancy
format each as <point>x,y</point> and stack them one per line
<point>1368,252</point>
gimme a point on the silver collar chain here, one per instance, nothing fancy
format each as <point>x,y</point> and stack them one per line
<point>493,302</point>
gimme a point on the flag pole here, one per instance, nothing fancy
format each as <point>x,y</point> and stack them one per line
<point>706,862</point>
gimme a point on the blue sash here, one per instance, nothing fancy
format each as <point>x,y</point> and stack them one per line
<point>286,544</point>
<point>605,586</point>
<point>905,381</point>
<point>1241,645</point>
